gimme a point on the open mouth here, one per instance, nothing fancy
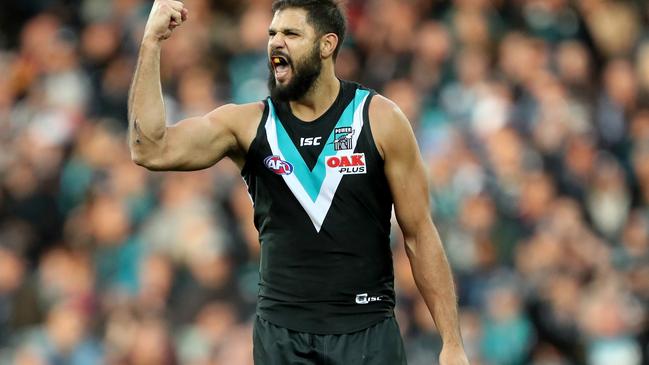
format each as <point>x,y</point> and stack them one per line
<point>281,67</point>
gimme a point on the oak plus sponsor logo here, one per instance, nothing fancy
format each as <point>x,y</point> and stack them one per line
<point>277,165</point>
<point>348,164</point>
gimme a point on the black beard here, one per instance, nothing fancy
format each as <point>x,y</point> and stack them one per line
<point>304,75</point>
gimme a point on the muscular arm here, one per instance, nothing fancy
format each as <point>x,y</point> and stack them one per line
<point>191,144</point>
<point>405,172</point>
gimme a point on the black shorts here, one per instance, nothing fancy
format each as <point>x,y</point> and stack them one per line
<point>380,344</point>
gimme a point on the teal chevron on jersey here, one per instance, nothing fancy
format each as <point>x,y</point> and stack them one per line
<point>312,180</point>
<point>314,189</point>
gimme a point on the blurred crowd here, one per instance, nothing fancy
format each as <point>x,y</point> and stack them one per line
<point>532,117</point>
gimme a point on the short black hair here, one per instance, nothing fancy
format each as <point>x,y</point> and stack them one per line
<point>326,16</point>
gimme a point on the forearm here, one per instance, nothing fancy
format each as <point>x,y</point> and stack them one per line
<point>147,125</point>
<point>434,279</point>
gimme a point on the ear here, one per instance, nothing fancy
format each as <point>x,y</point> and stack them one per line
<point>328,44</point>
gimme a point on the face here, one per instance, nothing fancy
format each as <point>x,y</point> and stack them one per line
<point>294,55</point>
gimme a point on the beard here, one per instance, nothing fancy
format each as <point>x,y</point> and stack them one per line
<point>304,76</point>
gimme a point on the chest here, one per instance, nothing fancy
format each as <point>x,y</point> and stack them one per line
<point>313,160</point>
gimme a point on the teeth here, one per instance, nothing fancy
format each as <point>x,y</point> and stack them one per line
<point>277,60</point>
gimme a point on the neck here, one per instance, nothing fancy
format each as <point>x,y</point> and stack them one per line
<point>320,98</point>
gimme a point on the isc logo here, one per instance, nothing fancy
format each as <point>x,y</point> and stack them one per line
<point>366,299</point>
<point>310,141</point>
<point>348,164</point>
<point>278,166</point>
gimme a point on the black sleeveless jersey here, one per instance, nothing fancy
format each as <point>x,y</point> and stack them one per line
<point>322,208</point>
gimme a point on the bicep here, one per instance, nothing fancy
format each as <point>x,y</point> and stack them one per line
<point>197,143</point>
<point>200,142</point>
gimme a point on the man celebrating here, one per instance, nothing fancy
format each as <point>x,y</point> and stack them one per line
<point>324,160</point>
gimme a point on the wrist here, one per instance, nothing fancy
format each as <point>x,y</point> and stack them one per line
<point>453,345</point>
<point>149,41</point>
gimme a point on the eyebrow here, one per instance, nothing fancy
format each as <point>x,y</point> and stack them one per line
<point>284,30</point>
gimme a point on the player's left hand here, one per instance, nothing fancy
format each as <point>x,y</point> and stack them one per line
<point>453,355</point>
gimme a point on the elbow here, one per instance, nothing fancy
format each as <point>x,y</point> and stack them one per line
<point>149,165</point>
<point>412,237</point>
<point>140,160</point>
<point>147,161</point>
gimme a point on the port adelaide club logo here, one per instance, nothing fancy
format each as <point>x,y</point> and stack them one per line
<point>278,166</point>
<point>343,138</point>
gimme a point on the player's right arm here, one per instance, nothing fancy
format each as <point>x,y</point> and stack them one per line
<point>190,144</point>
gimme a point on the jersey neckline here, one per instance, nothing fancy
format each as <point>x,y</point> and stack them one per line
<point>284,111</point>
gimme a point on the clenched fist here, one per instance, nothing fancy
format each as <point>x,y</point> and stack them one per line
<point>165,16</point>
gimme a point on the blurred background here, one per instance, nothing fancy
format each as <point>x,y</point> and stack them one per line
<point>532,117</point>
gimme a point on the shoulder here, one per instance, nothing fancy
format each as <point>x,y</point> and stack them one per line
<point>389,125</point>
<point>237,114</point>
<point>383,108</point>
<point>241,122</point>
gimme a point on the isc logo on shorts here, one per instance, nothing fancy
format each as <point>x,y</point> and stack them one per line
<point>367,299</point>
<point>347,164</point>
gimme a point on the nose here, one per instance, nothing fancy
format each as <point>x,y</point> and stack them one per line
<point>276,41</point>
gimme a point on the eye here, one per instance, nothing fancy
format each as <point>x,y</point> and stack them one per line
<point>271,33</point>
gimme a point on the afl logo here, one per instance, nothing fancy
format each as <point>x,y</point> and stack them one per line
<point>278,166</point>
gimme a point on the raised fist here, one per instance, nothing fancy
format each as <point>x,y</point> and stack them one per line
<point>165,16</point>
